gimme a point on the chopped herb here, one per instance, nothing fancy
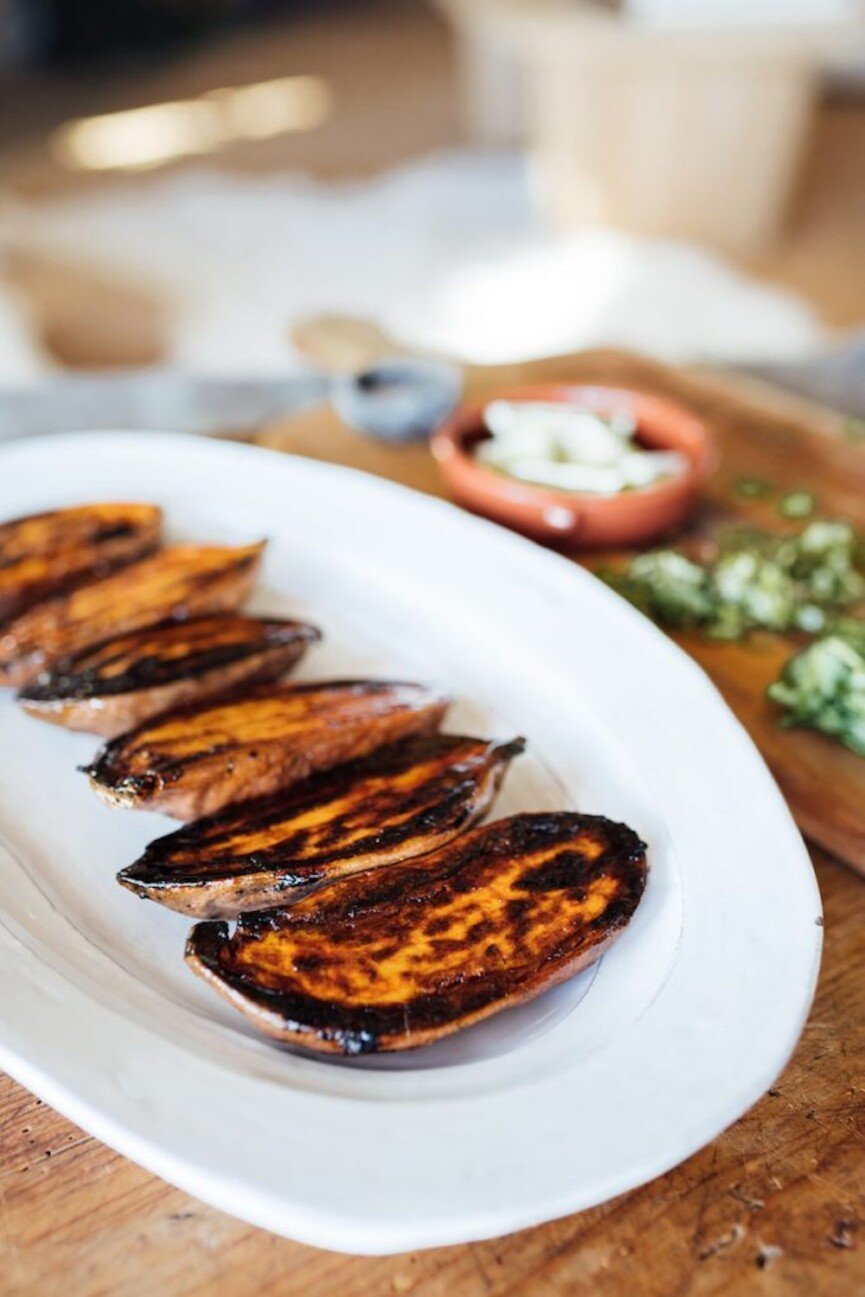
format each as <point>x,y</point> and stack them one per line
<point>761,590</point>
<point>758,581</point>
<point>752,488</point>
<point>667,586</point>
<point>808,582</point>
<point>810,618</point>
<point>826,558</point>
<point>797,504</point>
<point>823,688</point>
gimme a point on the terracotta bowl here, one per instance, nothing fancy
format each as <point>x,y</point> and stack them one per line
<point>568,518</point>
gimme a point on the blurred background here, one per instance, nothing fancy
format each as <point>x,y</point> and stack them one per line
<point>189,182</point>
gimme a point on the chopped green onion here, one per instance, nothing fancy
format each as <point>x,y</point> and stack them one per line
<point>809,582</point>
<point>797,504</point>
<point>823,688</point>
<point>759,581</point>
<point>667,586</point>
<point>810,618</point>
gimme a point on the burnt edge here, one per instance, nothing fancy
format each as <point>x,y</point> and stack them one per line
<point>100,767</point>
<point>50,589</point>
<point>61,682</point>
<point>148,875</point>
<point>368,1029</point>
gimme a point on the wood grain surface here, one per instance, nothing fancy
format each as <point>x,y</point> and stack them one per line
<point>775,1207</point>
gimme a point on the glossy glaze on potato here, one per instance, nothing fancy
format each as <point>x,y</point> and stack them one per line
<point>114,686</point>
<point>400,957</point>
<point>181,581</point>
<point>45,553</point>
<point>401,802</point>
<point>198,759</point>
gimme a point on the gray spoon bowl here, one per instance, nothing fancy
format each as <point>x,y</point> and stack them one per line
<point>397,398</point>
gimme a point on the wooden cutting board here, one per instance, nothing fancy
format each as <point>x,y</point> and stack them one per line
<point>758,431</point>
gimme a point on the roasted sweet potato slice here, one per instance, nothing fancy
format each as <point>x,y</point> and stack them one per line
<point>403,956</point>
<point>116,685</point>
<point>48,552</point>
<point>197,759</point>
<point>182,581</point>
<point>400,802</point>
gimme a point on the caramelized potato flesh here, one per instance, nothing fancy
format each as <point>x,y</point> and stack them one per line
<point>401,802</point>
<point>179,582</point>
<point>198,759</point>
<point>46,553</point>
<point>400,957</point>
<point>121,682</point>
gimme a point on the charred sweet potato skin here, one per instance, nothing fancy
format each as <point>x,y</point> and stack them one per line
<point>46,553</point>
<point>118,684</point>
<point>400,957</point>
<point>179,582</point>
<point>401,802</point>
<point>196,760</point>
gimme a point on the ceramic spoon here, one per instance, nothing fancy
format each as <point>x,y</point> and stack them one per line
<point>376,386</point>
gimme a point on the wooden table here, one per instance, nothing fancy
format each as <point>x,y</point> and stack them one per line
<point>775,1206</point>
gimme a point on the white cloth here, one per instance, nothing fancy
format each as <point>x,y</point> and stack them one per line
<point>22,361</point>
<point>745,13</point>
<point>445,252</point>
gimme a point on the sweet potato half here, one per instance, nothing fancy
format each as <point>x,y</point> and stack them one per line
<point>116,685</point>
<point>178,582</point>
<point>400,957</point>
<point>197,759</point>
<point>404,800</point>
<point>45,553</point>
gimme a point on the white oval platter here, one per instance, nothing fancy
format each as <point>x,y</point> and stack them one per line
<point>590,1090</point>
